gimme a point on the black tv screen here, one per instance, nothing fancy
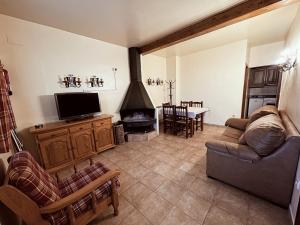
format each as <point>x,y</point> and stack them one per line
<point>76,105</point>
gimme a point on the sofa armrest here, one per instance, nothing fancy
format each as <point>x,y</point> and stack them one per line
<point>74,197</point>
<point>239,151</point>
<point>237,123</point>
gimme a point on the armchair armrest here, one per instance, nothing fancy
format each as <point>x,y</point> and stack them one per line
<point>237,123</point>
<point>74,197</point>
<point>243,152</point>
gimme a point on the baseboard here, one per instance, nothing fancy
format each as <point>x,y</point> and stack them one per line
<point>292,217</point>
<point>213,124</point>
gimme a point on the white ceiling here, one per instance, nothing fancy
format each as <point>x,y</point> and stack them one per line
<point>124,22</point>
<point>266,28</point>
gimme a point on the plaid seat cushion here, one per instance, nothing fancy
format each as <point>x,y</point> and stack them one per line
<point>76,182</point>
<point>28,176</point>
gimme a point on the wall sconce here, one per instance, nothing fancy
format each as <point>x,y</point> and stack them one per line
<point>159,82</point>
<point>150,81</point>
<point>288,65</point>
<point>96,81</point>
<point>72,81</point>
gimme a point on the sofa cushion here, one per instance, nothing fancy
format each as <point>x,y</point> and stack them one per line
<point>263,111</point>
<point>265,134</point>
<point>232,133</point>
<point>238,151</point>
<point>225,138</point>
<point>75,183</point>
<point>29,177</point>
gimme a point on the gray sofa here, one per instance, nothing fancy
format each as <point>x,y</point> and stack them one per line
<point>269,175</point>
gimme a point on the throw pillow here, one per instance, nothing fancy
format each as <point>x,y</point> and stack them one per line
<point>265,134</point>
<point>263,111</point>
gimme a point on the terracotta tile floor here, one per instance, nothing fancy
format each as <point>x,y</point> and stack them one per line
<point>163,182</point>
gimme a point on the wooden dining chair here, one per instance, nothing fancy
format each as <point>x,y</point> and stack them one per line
<point>183,122</point>
<point>168,117</point>
<point>198,119</point>
<point>185,103</point>
<point>197,104</point>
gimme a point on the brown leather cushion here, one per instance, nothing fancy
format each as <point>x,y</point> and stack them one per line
<point>263,111</point>
<point>232,132</point>
<point>265,134</point>
<point>243,152</point>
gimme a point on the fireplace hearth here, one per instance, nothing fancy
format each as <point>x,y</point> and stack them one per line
<point>137,111</point>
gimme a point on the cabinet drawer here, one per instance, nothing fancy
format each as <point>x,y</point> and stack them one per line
<point>102,123</point>
<point>52,134</point>
<point>80,127</point>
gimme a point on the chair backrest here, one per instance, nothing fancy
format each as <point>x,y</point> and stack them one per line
<point>197,104</point>
<point>12,197</point>
<point>185,103</point>
<point>166,104</point>
<point>181,113</point>
<point>168,111</point>
<point>29,177</point>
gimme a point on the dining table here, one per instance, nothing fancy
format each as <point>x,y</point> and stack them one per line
<point>197,113</point>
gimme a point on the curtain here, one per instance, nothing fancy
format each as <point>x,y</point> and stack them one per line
<point>7,120</point>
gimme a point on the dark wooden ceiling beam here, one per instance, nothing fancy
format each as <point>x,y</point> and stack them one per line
<point>237,13</point>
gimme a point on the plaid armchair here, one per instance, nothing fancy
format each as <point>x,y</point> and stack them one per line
<point>39,199</point>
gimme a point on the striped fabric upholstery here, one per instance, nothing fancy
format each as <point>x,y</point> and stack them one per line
<point>26,174</point>
<point>76,182</point>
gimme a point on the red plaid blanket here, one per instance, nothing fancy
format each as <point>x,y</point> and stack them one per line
<point>7,121</point>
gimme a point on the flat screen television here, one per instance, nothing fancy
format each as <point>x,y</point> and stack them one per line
<point>77,105</point>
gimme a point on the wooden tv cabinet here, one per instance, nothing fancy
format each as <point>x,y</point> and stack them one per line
<point>62,144</point>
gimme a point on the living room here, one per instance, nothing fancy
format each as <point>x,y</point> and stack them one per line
<point>166,176</point>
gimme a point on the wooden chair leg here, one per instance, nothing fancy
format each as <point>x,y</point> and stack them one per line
<point>115,198</point>
<point>192,127</point>
<point>187,131</point>
<point>202,116</point>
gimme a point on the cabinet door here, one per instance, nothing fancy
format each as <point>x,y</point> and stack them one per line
<point>83,143</point>
<point>56,151</point>
<point>272,76</point>
<point>104,137</point>
<point>257,77</point>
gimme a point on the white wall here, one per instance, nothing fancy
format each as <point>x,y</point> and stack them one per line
<point>154,67</point>
<point>264,55</point>
<point>215,76</point>
<point>290,93</point>
<point>37,56</point>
